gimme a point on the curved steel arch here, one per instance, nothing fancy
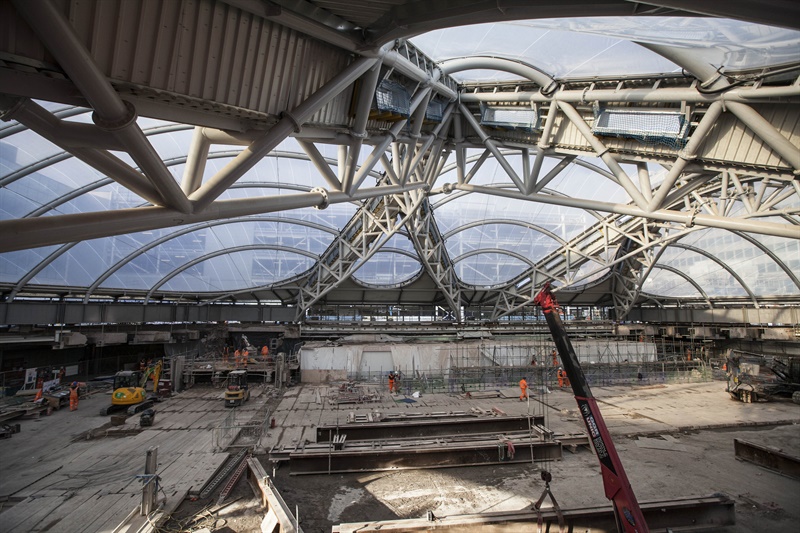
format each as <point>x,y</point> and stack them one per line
<point>161,240</point>
<point>498,251</point>
<point>64,155</point>
<point>688,278</point>
<point>512,66</point>
<point>64,248</point>
<point>284,283</point>
<point>221,154</point>
<point>41,265</point>
<point>771,255</point>
<point>501,221</point>
<point>169,162</point>
<point>404,283</point>
<point>459,194</point>
<point>225,251</point>
<point>721,263</point>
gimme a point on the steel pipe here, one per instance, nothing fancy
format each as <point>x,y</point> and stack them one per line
<point>369,83</point>
<point>637,95</point>
<point>602,153</point>
<point>686,155</point>
<point>393,59</point>
<point>380,148</point>
<point>111,113</point>
<point>290,122</point>
<point>492,147</point>
<point>21,234</point>
<point>668,215</point>
<point>544,80</point>
<point>767,133</point>
<point>196,160</point>
<point>321,164</point>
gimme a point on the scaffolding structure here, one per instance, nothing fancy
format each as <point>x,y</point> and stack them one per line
<point>490,365</point>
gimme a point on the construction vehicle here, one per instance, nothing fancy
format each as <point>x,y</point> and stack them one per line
<point>237,391</point>
<point>130,392</point>
<point>627,513</point>
<point>759,378</point>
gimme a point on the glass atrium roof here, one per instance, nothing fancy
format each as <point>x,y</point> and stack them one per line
<point>600,46</point>
<point>491,239</point>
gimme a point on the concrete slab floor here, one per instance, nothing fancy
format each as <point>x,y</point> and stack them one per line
<point>695,422</point>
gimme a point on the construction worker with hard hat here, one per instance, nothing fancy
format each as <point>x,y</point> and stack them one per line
<point>523,390</point>
<point>73,396</point>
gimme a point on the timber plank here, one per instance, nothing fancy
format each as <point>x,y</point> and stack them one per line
<point>28,513</point>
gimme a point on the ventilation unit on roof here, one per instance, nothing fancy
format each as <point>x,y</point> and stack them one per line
<point>649,126</point>
<point>510,117</point>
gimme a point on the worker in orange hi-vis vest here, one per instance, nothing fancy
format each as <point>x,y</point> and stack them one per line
<point>554,354</point>
<point>73,396</point>
<point>391,382</point>
<point>560,374</point>
<point>237,357</point>
<point>523,390</point>
<point>264,351</point>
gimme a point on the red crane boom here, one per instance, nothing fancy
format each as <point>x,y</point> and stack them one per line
<point>618,489</point>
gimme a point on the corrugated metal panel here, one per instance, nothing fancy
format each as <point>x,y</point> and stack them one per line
<point>732,141</point>
<point>729,142</point>
<point>204,49</point>
<point>16,38</point>
<point>567,135</point>
<point>360,12</point>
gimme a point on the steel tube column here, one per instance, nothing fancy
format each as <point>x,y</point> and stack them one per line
<point>30,114</point>
<point>602,153</point>
<point>366,94</point>
<point>28,233</point>
<point>686,155</point>
<point>196,160</point>
<point>492,147</point>
<point>690,219</point>
<point>111,113</point>
<point>290,122</point>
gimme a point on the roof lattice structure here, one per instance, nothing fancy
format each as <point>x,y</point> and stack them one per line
<point>450,154</point>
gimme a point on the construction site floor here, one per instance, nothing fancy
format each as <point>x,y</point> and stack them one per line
<point>73,471</point>
<point>66,473</point>
<point>675,440</point>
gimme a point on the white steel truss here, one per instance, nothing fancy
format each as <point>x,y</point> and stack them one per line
<point>736,169</point>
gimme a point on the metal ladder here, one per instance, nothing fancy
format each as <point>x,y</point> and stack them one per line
<point>226,470</point>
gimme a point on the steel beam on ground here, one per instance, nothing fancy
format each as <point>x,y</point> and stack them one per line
<point>427,428</point>
<point>685,514</point>
<point>434,453</point>
<point>767,457</point>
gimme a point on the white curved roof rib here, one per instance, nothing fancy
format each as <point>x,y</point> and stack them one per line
<point>595,91</point>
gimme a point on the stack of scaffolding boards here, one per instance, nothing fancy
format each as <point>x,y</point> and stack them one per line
<point>424,443</point>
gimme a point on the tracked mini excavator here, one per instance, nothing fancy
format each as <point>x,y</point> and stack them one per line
<point>130,390</point>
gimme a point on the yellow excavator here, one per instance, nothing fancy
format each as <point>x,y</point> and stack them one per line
<point>130,390</point>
